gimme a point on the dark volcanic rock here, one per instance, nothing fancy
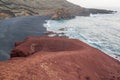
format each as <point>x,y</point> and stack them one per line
<point>58,59</point>
<point>101,11</point>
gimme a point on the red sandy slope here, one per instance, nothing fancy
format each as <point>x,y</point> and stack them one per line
<point>44,58</point>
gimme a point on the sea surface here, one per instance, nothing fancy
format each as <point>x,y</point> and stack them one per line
<point>17,29</point>
<point>101,31</point>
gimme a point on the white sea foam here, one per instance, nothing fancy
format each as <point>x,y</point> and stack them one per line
<point>99,31</point>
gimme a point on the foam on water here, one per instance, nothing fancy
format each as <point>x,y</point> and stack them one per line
<point>99,31</point>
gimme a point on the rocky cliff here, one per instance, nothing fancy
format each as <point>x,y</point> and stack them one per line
<point>43,7</point>
<point>45,58</point>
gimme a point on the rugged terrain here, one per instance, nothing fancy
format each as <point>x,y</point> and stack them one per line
<point>12,8</point>
<point>48,58</point>
<point>45,58</point>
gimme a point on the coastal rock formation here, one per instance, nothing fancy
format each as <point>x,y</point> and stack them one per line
<point>45,58</point>
<point>6,14</point>
<point>45,7</point>
<point>62,14</point>
<point>101,11</point>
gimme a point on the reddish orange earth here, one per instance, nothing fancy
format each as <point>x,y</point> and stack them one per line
<point>45,58</point>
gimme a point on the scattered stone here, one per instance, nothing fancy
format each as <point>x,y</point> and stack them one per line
<point>49,33</point>
<point>62,29</point>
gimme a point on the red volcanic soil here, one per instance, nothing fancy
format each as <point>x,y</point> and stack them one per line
<point>45,58</point>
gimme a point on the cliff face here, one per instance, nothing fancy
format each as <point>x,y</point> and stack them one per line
<point>35,7</point>
<point>43,7</point>
<point>6,14</point>
<point>45,58</point>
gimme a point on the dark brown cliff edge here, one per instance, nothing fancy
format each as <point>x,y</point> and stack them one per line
<point>6,14</point>
<point>45,58</point>
<point>44,7</point>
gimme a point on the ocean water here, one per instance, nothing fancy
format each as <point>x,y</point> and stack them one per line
<point>17,29</point>
<point>101,31</point>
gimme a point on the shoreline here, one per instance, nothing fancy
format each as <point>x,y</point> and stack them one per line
<point>11,8</point>
<point>45,58</point>
<point>38,57</point>
<point>28,53</point>
<point>41,32</point>
<point>17,29</point>
<point>59,30</point>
